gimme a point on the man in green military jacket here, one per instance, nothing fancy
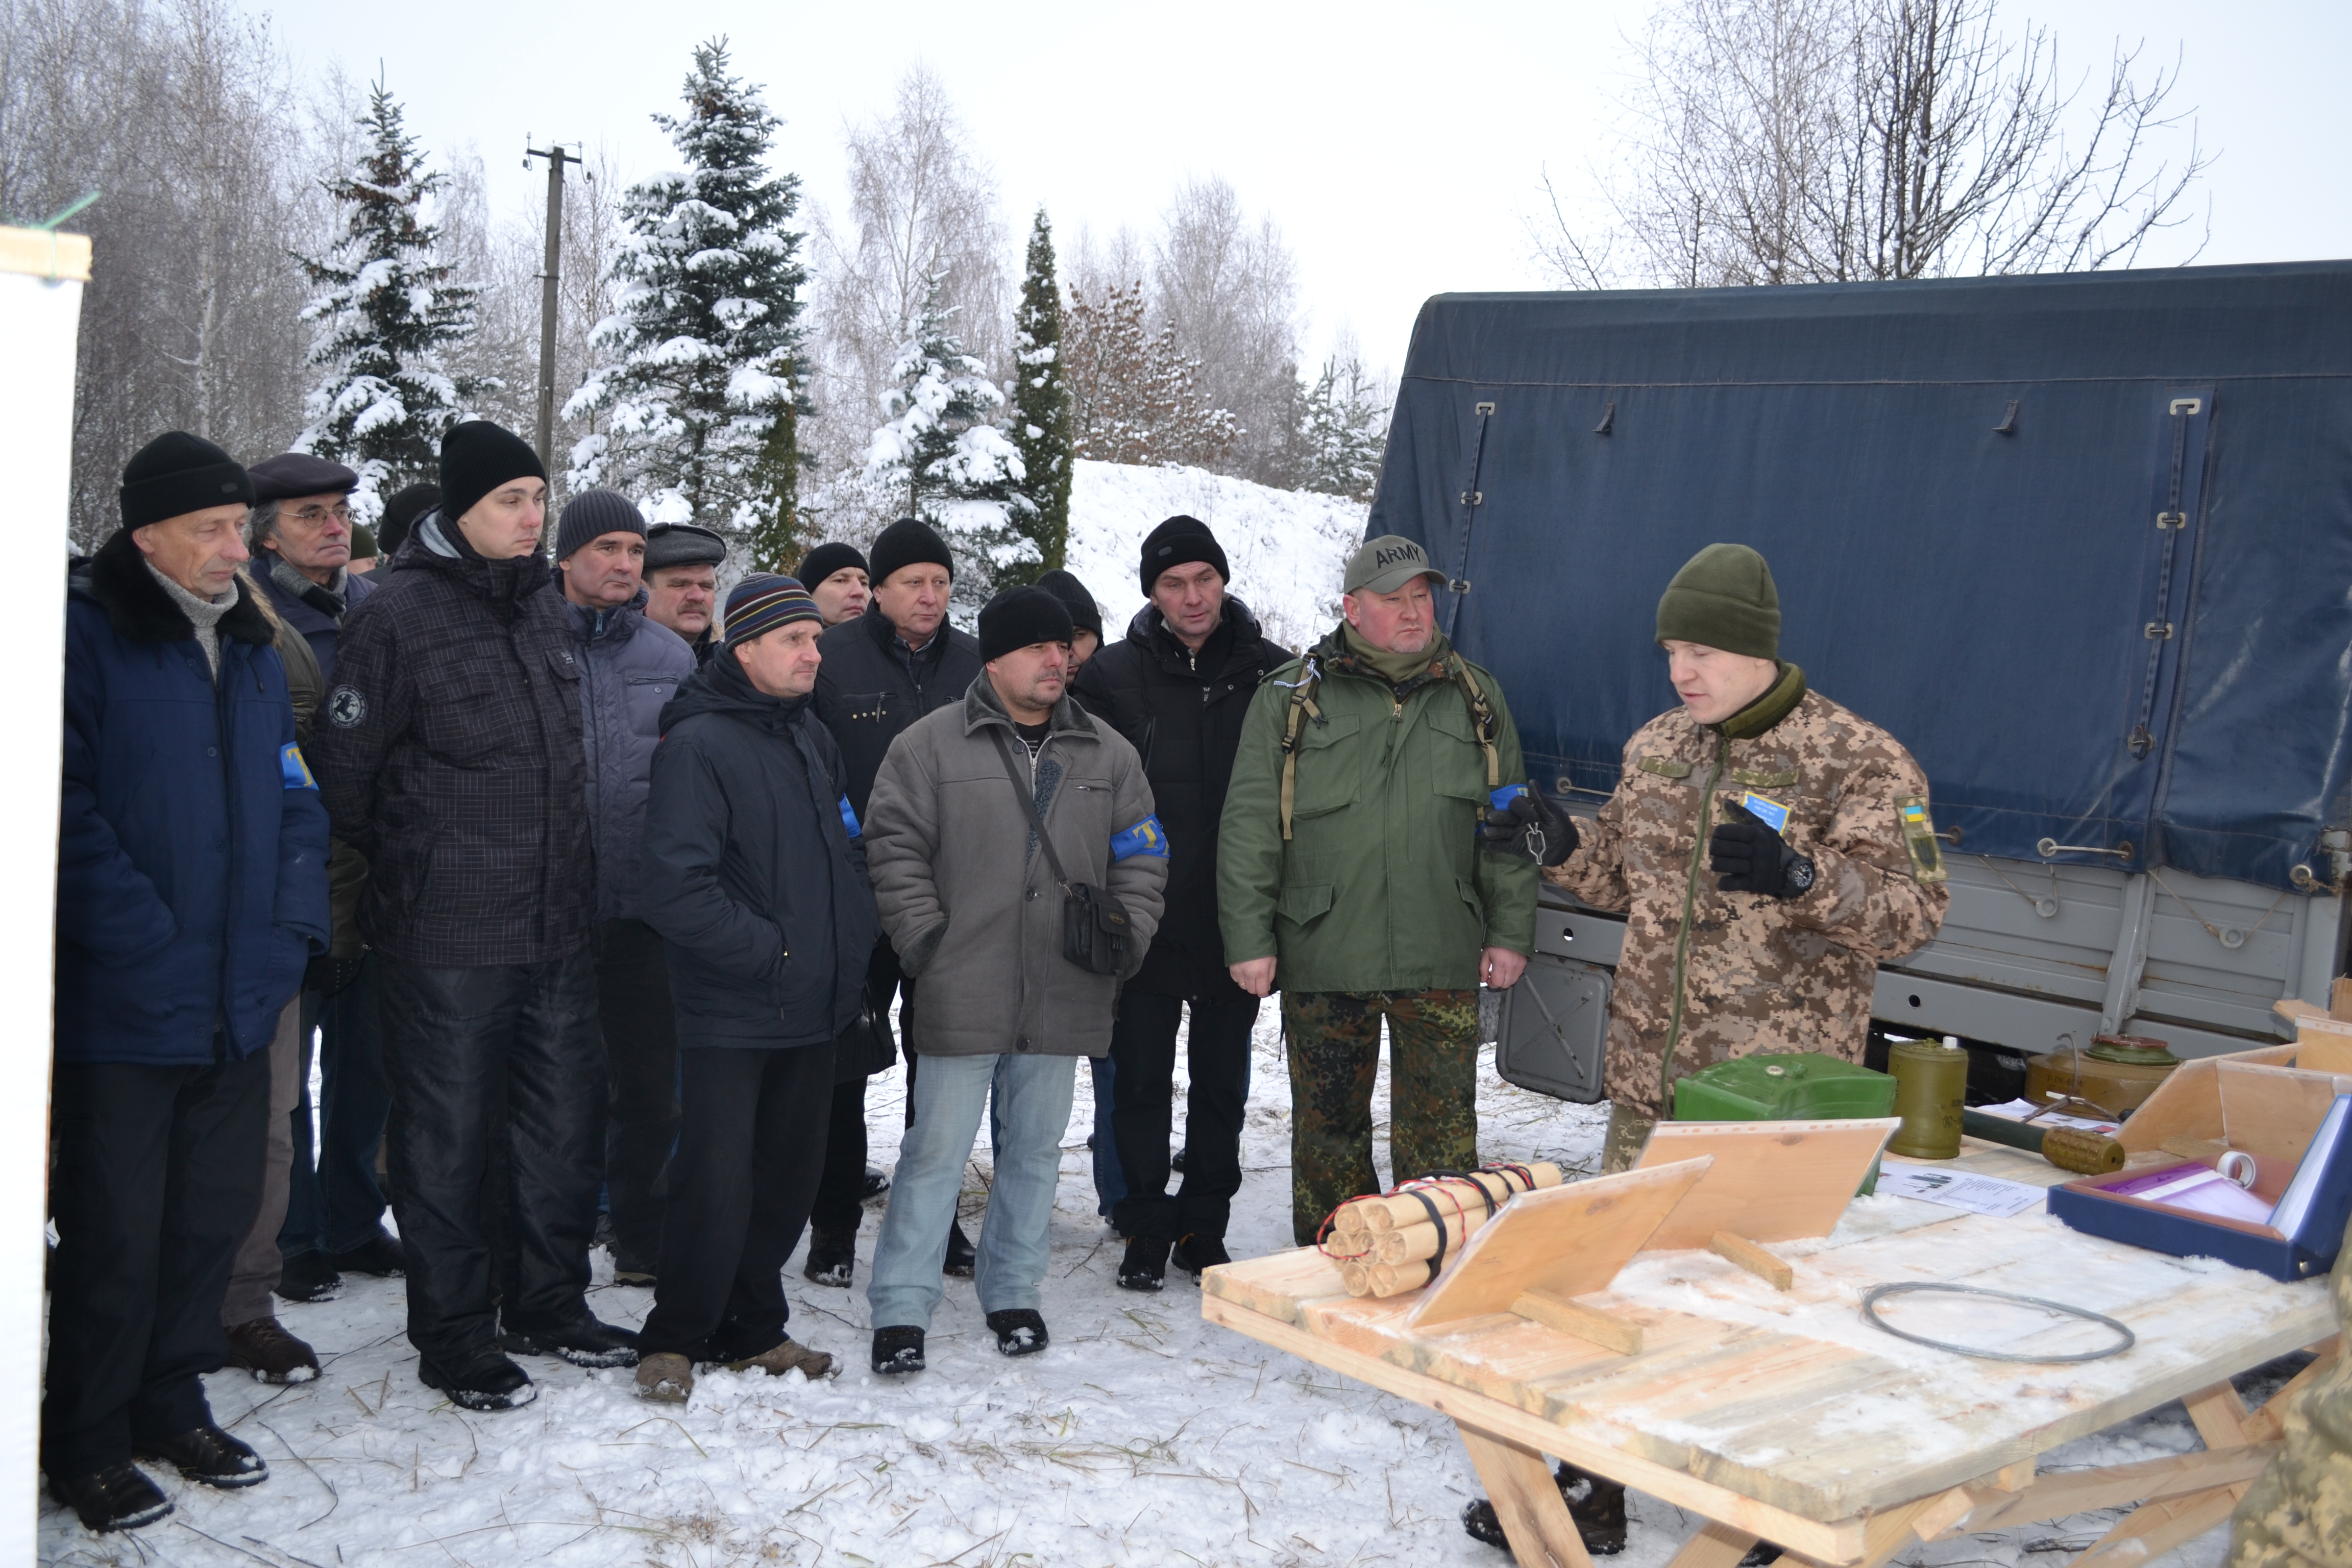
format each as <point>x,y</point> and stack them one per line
<point>1349,874</point>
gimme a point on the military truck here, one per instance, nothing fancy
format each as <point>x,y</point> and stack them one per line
<point>2082,542</point>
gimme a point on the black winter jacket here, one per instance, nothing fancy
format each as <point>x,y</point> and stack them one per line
<point>751,874</point>
<point>869,689</point>
<point>1182,713</point>
<point>450,754</point>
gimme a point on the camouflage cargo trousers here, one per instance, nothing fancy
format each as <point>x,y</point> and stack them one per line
<point>1334,1045</point>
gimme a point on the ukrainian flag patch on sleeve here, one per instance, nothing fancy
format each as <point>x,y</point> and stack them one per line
<point>292,769</point>
<point>1146,838</point>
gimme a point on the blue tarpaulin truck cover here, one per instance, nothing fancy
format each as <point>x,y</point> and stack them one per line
<point>2082,542</point>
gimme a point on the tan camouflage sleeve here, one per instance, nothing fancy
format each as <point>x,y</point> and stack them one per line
<point>1864,896</point>
<point>1596,872</point>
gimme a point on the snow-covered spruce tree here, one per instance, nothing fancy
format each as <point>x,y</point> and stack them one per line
<point>1040,426</point>
<point>1345,429</point>
<point>387,307</point>
<point>698,385</point>
<point>942,453</point>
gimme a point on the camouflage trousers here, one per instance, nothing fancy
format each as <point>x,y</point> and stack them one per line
<point>1334,1045</point>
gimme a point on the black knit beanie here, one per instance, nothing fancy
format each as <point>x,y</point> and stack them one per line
<point>177,473</point>
<point>592,514</point>
<point>401,512</point>
<point>1180,541</point>
<point>1723,598</point>
<point>1020,617</point>
<point>476,458</point>
<point>902,544</point>
<point>826,559</point>
<point>1086,616</point>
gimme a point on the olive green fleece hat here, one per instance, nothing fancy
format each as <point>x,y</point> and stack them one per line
<point>1723,598</point>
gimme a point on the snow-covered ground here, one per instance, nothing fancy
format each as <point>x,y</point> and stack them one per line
<point>1287,548</point>
<point>1143,1436</point>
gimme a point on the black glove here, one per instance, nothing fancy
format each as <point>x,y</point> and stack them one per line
<point>1750,858</point>
<point>1533,827</point>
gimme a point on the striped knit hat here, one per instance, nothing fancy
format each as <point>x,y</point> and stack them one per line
<point>764,601</point>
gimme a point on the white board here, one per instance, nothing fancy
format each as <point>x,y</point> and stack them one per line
<point>40,316</point>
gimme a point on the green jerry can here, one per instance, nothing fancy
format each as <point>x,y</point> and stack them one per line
<point>1786,1086</point>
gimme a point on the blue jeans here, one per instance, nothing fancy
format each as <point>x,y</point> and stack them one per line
<point>1033,1095</point>
<point>1110,1182</point>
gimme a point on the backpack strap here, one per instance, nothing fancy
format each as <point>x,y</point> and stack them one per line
<point>1302,708</point>
<point>1482,714</point>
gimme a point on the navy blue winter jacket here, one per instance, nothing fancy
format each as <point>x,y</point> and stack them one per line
<point>192,849</point>
<point>752,877</point>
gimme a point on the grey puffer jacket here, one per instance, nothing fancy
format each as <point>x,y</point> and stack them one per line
<point>629,669</point>
<point>970,903</point>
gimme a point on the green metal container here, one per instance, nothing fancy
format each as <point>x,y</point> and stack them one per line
<point>1788,1085</point>
<point>1931,1080</point>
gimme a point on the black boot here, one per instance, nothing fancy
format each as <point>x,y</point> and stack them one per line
<point>379,1255</point>
<point>209,1455</point>
<point>898,1348</point>
<point>493,1383</point>
<point>875,1186</point>
<point>1020,1330</point>
<point>1761,1555</point>
<point>832,1257</point>
<point>120,1497</point>
<point>1145,1267</point>
<point>1194,1253</point>
<point>309,1277</point>
<point>962,1259</point>
<point>583,1341</point>
<point>1598,1511</point>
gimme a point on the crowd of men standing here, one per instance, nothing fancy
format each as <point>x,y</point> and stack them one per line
<point>581,885</point>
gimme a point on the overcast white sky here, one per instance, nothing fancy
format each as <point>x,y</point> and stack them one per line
<point>1398,147</point>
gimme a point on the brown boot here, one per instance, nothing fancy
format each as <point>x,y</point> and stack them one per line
<point>665,1377</point>
<point>786,1357</point>
<point>265,1349</point>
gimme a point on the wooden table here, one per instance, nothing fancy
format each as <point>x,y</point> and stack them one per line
<point>1784,1416</point>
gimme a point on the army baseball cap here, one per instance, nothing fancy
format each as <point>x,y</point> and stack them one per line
<point>1383,565</point>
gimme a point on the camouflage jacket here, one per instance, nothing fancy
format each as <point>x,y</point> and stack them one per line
<point>1707,976</point>
<point>2299,1511</point>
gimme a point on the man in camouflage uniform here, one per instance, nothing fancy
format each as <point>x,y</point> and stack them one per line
<point>1350,873</point>
<point>2299,1513</point>
<point>1819,857</point>
<point>1770,849</point>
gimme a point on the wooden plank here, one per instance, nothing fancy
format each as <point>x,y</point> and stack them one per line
<point>1275,1283</point>
<point>2312,1022</point>
<point>2326,1053</point>
<point>2186,1102</point>
<point>1575,1318</point>
<point>1771,1180</point>
<point>1537,1523</point>
<point>2270,1421</point>
<point>1567,1240</point>
<point>1834,1541</point>
<point>1888,1533</point>
<point>2220,1415</point>
<point>1743,1253</point>
<point>2063,1493</point>
<point>2339,998</point>
<point>1714,1546</point>
<point>2155,1528</point>
<point>2273,1111</point>
<point>44,253</point>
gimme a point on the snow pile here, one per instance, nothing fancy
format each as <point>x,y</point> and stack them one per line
<point>1287,548</point>
<point>1143,1436</point>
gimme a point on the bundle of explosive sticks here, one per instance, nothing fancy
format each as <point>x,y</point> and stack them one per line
<point>1388,1245</point>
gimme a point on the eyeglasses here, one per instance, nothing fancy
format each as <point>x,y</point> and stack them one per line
<point>316,516</point>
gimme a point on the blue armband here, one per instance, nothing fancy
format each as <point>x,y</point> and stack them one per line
<point>849,818</point>
<point>292,770</point>
<point>1146,838</point>
<point>1500,799</point>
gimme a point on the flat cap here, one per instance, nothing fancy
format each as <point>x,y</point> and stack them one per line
<point>682,544</point>
<point>299,474</point>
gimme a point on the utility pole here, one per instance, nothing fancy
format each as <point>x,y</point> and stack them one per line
<point>556,157</point>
